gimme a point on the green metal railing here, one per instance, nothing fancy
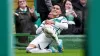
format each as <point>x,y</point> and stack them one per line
<point>69,41</point>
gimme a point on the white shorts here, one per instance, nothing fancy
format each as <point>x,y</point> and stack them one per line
<point>41,41</point>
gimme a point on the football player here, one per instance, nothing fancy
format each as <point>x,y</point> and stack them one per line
<point>48,32</point>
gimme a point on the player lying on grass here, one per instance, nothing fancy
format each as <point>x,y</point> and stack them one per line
<point>48,32</point>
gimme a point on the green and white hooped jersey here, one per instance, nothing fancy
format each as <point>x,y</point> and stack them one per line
<point>57,21</point>
<point>62,20</point>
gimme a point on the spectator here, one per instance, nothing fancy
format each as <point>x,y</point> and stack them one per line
<point>71,17</point>
<point>24,19</point>
<point>44,7</point>
<point>81,10</point>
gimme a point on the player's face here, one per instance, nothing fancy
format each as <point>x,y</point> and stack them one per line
<point>56,11</point>
<point>68,5</point>
<point>22,3</point>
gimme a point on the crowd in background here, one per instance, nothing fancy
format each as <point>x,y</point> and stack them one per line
<point>78,6</point>
<point>75,12</point>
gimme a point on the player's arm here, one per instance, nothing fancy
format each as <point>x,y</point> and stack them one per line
<point>40,29</point>
<point>43,25</point>
<point>63,24</point>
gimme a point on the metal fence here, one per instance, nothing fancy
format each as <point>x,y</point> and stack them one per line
<point>69,41</point>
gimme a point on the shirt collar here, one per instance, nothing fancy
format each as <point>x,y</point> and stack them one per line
<point>23,9</point>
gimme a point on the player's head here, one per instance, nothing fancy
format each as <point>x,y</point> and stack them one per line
<point>55,12</point>
<point>22,3</point>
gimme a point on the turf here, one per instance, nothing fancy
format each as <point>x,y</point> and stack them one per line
<point>67,52</point>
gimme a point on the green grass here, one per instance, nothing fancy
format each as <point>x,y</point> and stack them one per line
<point>67,52</point>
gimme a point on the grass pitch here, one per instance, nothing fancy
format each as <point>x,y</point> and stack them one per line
<point>67,52</point>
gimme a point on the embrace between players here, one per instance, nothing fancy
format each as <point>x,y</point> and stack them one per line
<point>48,32</point>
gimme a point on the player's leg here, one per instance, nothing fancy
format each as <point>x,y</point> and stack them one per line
<point>37,50</point>
<point>33,44</point>
<point>30,47</point>
<point>58,41</point>
<point>38,44</point>
<point>60,46</point>
<point>50,32</point>
<point>53,49</point>
<point>53,34</point>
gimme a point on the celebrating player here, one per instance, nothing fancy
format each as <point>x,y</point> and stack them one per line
<point>48,32</point>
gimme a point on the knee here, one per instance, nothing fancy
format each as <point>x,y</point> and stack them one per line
<point>30,46</point>
<point>28,49</point>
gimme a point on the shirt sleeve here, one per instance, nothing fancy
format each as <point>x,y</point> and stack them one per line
<point>39,30</point>
<point>63,24</point>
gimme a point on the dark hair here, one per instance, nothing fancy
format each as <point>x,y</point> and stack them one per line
<point>60,5</point>
<point>60,8</point>
<point>57,4</point>
<point>63,6</point>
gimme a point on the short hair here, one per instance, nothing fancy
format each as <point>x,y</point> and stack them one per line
<point>59,6</point>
